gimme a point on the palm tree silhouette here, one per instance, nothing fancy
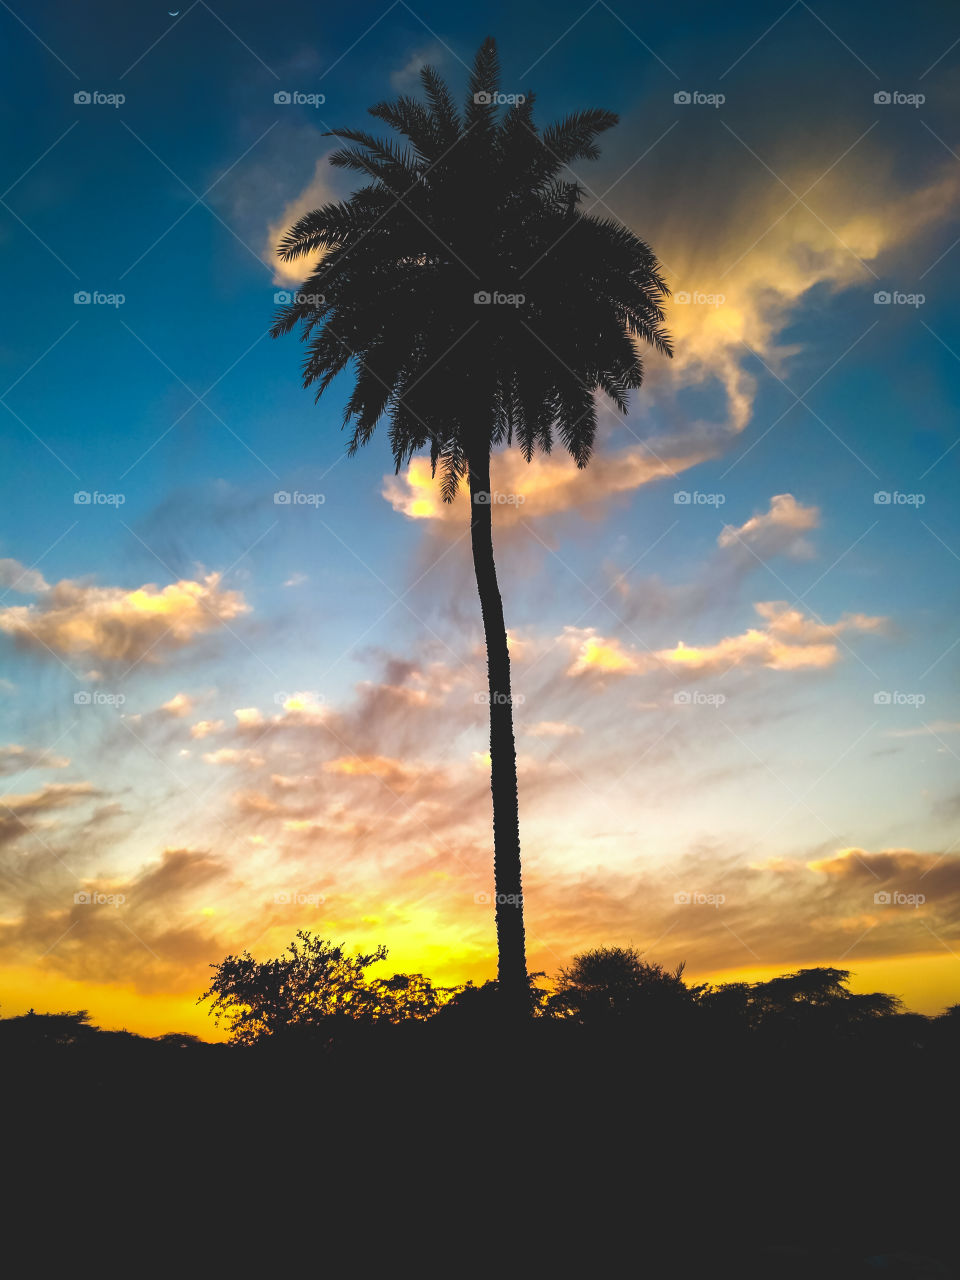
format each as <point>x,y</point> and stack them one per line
<point>478,306</point>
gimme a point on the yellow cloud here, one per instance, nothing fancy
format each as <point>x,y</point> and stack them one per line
<point>203,728</point>
<point>791,642</point>
<point>596,654</point>
<point>117,625</point>
<point>315,194</point>
<point>180,704</point>
<point>736,281</point>
<point>234,755</point>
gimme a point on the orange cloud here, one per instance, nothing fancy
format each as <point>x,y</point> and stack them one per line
<point>179,705</point>
<point>552,729</point>
<point>54,795</point>
<point>396,775</point>
<point>546,485</point>
<point>117,625</point>
<point>203,728</point>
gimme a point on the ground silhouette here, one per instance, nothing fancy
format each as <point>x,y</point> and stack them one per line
<point>787,1128</point>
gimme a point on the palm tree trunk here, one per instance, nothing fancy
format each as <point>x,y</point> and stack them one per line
<point>512,963</point>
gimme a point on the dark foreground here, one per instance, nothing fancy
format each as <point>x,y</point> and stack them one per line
<point>555,1149</point>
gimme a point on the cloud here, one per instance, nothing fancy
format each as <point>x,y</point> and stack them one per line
<point>116,625</point>
<point>17,812</point>
<point>747,267</point>
<point>747,264</point>
<point>595,654</point>
<point>181,704</point>
<point>394,773</point>
<point>16,759</point>
<point>55,795</point>
<point>407,77</point>
<point>315,194</point>
<point>548,484</point>
<point>776,530</point>
<point>152,932</point>
<point>791,641</point>
<point>235,755</point>
<point>203,728</point>
<point>849,905</point>
<point>552,729</point>
<point>15,577</point>
<point>926,730</point>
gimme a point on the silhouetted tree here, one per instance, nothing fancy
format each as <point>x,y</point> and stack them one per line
<point>806,1005</point>
<point>479,1006</point>
<point>611,984</point>
<point>310,991</point>
<point>180,1040</point>
<point>35,1029</point>
<point>476,207</point>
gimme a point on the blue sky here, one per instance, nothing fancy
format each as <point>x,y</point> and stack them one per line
<point>794,398</point>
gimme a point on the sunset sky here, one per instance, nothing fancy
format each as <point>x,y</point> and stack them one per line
<point>735,636</point>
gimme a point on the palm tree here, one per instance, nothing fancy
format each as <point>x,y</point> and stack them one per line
<point>478,306</point>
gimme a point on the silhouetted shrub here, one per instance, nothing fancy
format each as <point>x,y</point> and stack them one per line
<point>315,991</point>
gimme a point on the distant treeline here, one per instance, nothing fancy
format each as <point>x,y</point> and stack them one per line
<point>318,994</point>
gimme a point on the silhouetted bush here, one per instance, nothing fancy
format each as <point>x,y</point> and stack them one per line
<point>314,992</point>
<point>614,984</point>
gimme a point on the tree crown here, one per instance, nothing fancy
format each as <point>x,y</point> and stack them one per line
<point>478,303</point>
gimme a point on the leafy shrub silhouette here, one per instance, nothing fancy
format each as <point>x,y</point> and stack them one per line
<point>610,984</point>
<point>314,991</point>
